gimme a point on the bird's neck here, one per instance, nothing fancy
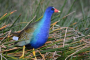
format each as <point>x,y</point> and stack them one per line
<point>46,17</point>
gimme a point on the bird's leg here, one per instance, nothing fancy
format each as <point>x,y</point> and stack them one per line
<point>34,54</point>
<point>23,52</point>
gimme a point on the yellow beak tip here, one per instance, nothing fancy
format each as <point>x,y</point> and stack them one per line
<point>59,11</point>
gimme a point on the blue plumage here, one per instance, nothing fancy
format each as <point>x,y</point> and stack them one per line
<point>41,34</point>
<point>36,34</point>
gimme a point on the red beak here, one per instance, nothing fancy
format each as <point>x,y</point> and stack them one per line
<point>56,11</point>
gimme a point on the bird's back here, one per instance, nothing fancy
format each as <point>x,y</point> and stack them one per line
<point>26,34</point>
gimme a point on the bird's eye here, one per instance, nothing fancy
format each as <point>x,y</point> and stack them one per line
<point>52,9</point>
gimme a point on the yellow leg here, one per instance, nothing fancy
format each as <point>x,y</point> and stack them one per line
<point>34,54</point>
<point>23,52</point>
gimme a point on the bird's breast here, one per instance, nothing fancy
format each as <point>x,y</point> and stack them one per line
<point>40,35</point>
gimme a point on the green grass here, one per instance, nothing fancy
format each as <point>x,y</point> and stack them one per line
<point>77,35</point>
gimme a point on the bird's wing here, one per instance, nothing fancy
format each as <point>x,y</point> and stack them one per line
<point>26,34</point>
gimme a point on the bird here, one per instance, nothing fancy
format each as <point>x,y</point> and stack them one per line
<point>34,35</point>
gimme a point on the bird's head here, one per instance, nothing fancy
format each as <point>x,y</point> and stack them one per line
<point>52,10</point>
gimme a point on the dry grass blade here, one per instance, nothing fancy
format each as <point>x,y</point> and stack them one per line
<point>9,32</point>
<point>4,27</point>
<point>41,55</point>
<point>3,16</point>
<point>13,11</point>
<point>65,37</point>
<point>29,22</point>
<point>75,52</point>
<point>3,57</point>
<point>62,18</point>
<point>10,49</point>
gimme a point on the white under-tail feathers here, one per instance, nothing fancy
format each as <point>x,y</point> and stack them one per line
<point>15,38</point>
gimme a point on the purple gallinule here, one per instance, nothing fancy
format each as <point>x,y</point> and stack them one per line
<point>36,34</point>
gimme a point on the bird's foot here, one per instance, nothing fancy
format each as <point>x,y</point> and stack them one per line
<point>23,53</point>
<point>34,54</point>
<point>21,57</point>
<point>35,58</point>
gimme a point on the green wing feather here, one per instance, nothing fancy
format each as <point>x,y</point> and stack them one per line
<point>26,34</point>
